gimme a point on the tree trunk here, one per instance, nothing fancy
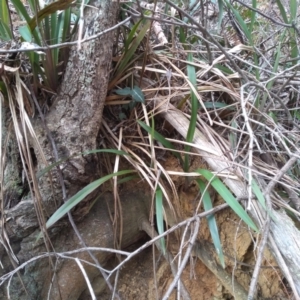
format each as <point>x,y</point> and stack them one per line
<point>75,116</point>
<point>73,124</point>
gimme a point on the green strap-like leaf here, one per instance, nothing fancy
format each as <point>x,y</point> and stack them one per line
<point>131,50</point>
<point>123,92</point>
<point>48,10</point>
<point>160,216</point>
<point>282,11</point>
<point>221,9</point>
<point>77,198</point>
<point>22,10</point>
<point>194,113</point>
<point>161,139</point>
<point>137,94</point>
<point>131,35</point>
<point>241,22</point>
<point>5,32</point>
<point>260,197</point>
<point>223,191</point>
<point>211,220</point>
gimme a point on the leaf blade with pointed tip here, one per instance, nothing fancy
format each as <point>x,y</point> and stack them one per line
<point>123,92</point>
<point>160,217</point>
<point>211,220</point>
<point>161,139</point>
<point>191,71</point>
<point>78,197</point>
<point>138,95</point>
<point>223,191</point>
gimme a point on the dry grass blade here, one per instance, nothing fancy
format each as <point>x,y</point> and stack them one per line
<point>21,130</point>
<point>147,173</point>
<point>227,89</point>
<point>224,93</point>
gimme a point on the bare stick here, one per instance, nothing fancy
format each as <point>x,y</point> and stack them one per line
<point>68,44</point>
<point>146,226</point>
<point>184,261</point>
<point>266,231</point>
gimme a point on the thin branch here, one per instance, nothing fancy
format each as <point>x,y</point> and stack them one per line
<point>65,196</point>
<point>184,261</point>
<point>266,16</point>
<point>146,226</point>
<point>86,278</point>
<point>266,230</point>
<point>68,44</point>
<point>207,33</point>
<point>173,228</point>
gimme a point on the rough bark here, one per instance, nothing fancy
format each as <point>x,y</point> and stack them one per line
<point>74,122</point>
<point>75,116</point>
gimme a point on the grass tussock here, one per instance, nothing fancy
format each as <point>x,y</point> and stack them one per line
<point>217,81</point>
